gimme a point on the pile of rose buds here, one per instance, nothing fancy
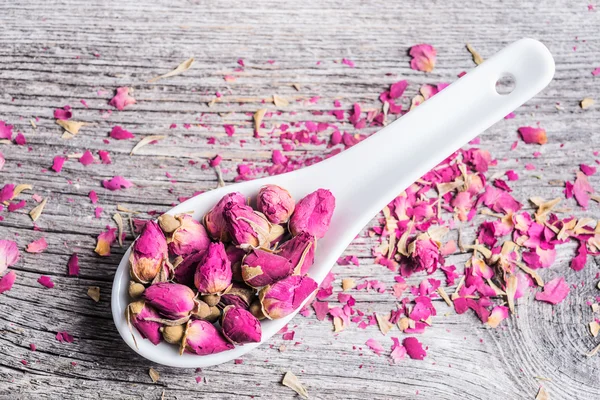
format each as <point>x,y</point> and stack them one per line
<point>241,266</point>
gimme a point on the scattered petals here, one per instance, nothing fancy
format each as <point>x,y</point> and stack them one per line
<point>117,183</point>
<point>122,99</point>
<point>37,246</point>
<point>532,135</point>
<point>181,68</point>
<point>554,292</point>
<point>46,281</point>
<point>424,56</point>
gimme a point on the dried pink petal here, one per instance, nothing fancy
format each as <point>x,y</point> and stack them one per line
<point>117,183</point>
<point>5,131</point>
<point>63,113</point>
<point>104,156</point>
<point>375,346</point>
<point>37,246</point>
<point>122,99</point>
<point>20,139</point>
<point>213,272</point>
<point>119,133</point>
<point>105,240</point>
<point>87,158</point>
<point>189,237</point>
<point>57,163</point>
<point>7,281</point>
<point>9,254</point>
<point>533,135</point>
<point>397,89</point>
<point>579,261</point>
<point>554,292</point>
<point>229,130</point>
<point>426,255</point>
<point>214,220</point>
<point>240,326</point>
<point>139,314</point>
<point>64,337</point>
<point>202,338</point>
<point>73,265</point>
<point>2,161</point>
<point>275,203</point>
<point>284,297</point>
<point>172,300</point>
<point>582,189</point>
<point>262,267</point>
<point>93,197</point>
<point>499,313</point>
<point>7,192</point>
<point>148,254</point>
<point>246,227</point>
<point>424,56</point>
<point>398,351</point>
<point>46,281</point>
<point>300,250</point>
<point>313,214</point>
<point>414,348</point>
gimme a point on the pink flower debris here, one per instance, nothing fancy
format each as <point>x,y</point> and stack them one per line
<point>7,192</point>
<point>596,71</point>
<point>64,337</point>
<point>533,135</point>
<point>5,131</point>
<point>119,133</point>
<point>7,281</point>
<point>424,56</point>
<point>414,348</point>
<point>20,139</point>
<point>105,240</point>
<point>57,163</point>
<point>554,292</point>
<point>63,113</point>
<point>229,130</point>
<point>73,265</point>
<point>87,158</point>
<point>37,246</point>
<point>375,346</point>
<point>93,197</point>
<point>9,254</point>
<point>117,183</point>
<point>122,99</point>
<point>104,157</point>
<point>46,281</point>
<point>2,161</point>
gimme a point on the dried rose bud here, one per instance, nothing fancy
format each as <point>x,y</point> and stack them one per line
<point>284,297</point>
<point>214,219</point>
<point>313,214</point>
<point>239,295</point>
<point>235,256</point>
<point>246,227</point>
<point>173,334</point>
<point>138,312</point>
<point>256,310</point>
<point>425,255</point>
<point>300,250</point>
<point>189,238</point>
<point>202,338</point>
<point>240,326</point>
<point>261,268</point>
<point>275,203</point>
<point>213,272</point>
<point>168,223</point>
<point>148,254</point>
<point>202,310</point>
<point>135,289</point>
<point>276,234</point>
<point>172,300</point>
<point>184,271</point>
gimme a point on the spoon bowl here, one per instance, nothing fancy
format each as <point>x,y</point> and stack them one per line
<point>366,177</point>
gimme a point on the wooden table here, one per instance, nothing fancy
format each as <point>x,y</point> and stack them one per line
<point>56,53</point>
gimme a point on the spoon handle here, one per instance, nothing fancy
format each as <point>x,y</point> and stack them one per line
<point>369,175</point>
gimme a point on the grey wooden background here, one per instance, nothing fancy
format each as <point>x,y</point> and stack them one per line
<point>54,53</point>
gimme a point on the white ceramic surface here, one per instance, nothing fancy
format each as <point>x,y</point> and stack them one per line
<point>366,177</point>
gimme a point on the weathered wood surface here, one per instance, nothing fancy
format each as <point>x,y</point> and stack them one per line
<point>55,53</point>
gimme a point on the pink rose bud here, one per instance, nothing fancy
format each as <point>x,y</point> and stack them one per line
<point>202,338</point>
<point>172,300</point>
<point>313,214</point>
<point>138,312</point>
<point>261,268</point>
<point>284,297</point>
<point>236,255</point>
<point>300,250</point>
<point>189,238</point>
<point>425,255</point>
<point>239,295</point>
<point>149,253</point>
<point>184,271</point>
<point>240,326</point>
<point>276,203</point>
<point>246,227</point>
<point>213,271</point>
<point>214,220</point>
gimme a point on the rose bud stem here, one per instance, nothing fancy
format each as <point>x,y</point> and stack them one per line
<point>172,334</point>
<point>136,289</point>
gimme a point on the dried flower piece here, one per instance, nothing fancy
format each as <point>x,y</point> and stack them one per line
<point>313,214</point>
<point>9,254</point>
<point>533,135</point>
<point>290,380</point>
<point>262,267</point>
<point>148,254</point>
<point>94,293</point>
<point>189,237</point>
<point>284,297</point>
<point>135,289</point>
<point>154,375</point>
<point>181,68</point>
<point>117,183</point>
<point>477,59</point>
<point>202,338</point>
<point>554,292</point>
<point>122,99</point>
<point>168,223</point>
<point>73,265</point>
<point>57,163</point>
<point>258,117</point>
<point>119,133</point>
<point>36,212</point>
<point>173,334</point>
<point>172,300</point>
<point>375,346</point>
<point>72,127</point>
<point>213,271</point>
<point>119,221</point>
<point>586,103</point>
<point>300,250</point>
<point>542,394</point>
<point>240,326</point>
<point>214,220</point>
<point>275,203</point>
<point>145,141</point>
<point>423,57</point>
<point>5,131</point>
<point>246,227</point>
<point>348,283</point>
<point>37,246</point>
<point>280,101</point>
<point>414,348</point>
<point>46,281</point>
<point>594,328</point>
<point>7,281</point>
<point>140,316</point>
<point>238,295</point>
<point>499,313</point>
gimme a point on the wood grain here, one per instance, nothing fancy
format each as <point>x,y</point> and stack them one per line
<point>55,53</point>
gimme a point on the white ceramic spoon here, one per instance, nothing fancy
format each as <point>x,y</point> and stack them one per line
<point>366,177</point>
